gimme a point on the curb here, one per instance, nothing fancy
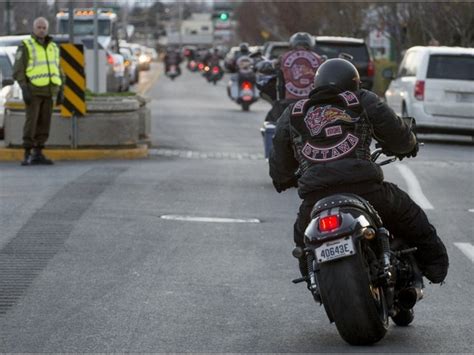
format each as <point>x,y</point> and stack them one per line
<point>16,154</point>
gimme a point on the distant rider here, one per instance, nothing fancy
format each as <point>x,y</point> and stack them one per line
<point>172,57</point>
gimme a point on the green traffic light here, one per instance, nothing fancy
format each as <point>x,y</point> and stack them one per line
<point>224,16</point>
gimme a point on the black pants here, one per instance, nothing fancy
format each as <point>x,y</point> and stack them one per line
<point>38,121</point>
<point>399,213</point>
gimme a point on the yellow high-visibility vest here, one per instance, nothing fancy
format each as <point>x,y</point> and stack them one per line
<point>43,63</point>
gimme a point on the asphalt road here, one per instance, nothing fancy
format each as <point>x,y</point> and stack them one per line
<point>89,264</point>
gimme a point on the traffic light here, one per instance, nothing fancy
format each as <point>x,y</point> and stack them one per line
<point>223,16</point>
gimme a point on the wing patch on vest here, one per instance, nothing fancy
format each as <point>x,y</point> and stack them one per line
<point>320,116</point>
<point>349,98</point>
<point>323,154</point>
<point>298,108</point>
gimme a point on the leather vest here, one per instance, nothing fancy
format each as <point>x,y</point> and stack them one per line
<point>299,67</point>
<point>43,63</point>
<point>325,132</point>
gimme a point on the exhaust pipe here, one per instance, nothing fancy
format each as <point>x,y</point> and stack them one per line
<point>408,297</point>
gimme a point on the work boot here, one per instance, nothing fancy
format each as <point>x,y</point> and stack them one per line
<point>39,159</point>
<point>27,158</point>
<point>433,260</point>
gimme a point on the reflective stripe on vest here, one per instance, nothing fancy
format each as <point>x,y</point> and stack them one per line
<point>43,63</point>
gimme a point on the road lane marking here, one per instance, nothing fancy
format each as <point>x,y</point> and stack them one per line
<point>173,217</point>
<point>189,154</point>
<point>414,188</point>
<point>471,210</point>
<point>467,249</point>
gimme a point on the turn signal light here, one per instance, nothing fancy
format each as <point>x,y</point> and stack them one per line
<point>329,223</point>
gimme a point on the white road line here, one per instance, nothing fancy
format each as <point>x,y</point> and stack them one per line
<point>414,188</point>
<point>209,219</point>
<point>467,249</point>
<point>471,210</point>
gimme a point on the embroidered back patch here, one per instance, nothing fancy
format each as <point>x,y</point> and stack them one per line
<point>349,98</point>
<point>319,117</point>
<point>298,108</point>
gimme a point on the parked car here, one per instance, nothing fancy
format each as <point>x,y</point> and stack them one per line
<point>131,62</point>
<point>333,46</point>
<point>8,88</point>
<point>436,86</point>
<point>273,50</point>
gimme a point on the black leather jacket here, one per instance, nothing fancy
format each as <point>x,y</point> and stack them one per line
<point>299,141</point>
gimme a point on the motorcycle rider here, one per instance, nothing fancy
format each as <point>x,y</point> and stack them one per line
<point>327,136</point>
<point>172,57</point>
<point>213,58</point>
<point>294,72</point>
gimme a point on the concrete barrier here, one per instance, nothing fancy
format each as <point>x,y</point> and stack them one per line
<point>110,122</point>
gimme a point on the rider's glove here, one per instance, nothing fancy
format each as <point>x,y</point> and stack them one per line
<point>280,187</point>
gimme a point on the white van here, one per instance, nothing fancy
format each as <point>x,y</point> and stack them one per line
<point>436,86</point>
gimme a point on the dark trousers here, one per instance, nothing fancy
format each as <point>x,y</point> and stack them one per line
<point>38,122</point>
<point>399,213</point>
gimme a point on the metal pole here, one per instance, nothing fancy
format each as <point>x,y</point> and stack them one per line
<point>8,19</point>
<point>96,49</point>
<point>180,16</point>
<point>71,21</point>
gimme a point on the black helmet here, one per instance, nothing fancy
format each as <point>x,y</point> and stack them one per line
<point>244,47</point>
<point>302,39</point>
<point>339,73</point>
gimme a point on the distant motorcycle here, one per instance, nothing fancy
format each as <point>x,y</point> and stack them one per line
<point>173,71</point>
<point>242,86</point>
<point>192,65</point>
<point>357,270</point>
<point>213,73</point>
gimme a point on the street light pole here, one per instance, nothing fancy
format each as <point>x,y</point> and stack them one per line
<point>96,49</point>
<point>8,19</point>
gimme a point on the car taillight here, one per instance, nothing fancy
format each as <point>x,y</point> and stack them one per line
<point>110,59</point>
<point>329,223</point>
<point>215,70</point>
<point>246,85</point>
<point>371,68</point>
<point>420,90</point>
<point>201,66</point>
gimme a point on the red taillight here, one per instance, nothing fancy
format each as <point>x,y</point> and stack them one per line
<point>110,59</point>
<point>420,90</point>
<point>329,223</point>
<point>215,70</point>
<point>201,66</point>
<point>246,85</point>
<point>371,68</point>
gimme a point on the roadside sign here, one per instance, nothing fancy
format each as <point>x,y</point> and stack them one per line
<point>72,62</point>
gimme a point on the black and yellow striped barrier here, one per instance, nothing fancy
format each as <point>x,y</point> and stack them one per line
<point>73,63</point>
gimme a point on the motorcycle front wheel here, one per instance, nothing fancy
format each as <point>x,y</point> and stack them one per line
<point>358,308</point>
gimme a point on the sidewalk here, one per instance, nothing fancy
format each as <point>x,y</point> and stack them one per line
<point>16,154</point>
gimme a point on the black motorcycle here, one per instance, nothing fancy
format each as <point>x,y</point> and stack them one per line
<point>357,270</point>
<point>213,73</point>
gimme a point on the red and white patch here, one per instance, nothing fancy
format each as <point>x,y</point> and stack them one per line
<point>299,67</point>
<point>349,98</point>
<point>323,154</point>
<point>319,117</point>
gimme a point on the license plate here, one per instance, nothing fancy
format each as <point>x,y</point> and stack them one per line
<point>464,97</point>
<point>335,249</point>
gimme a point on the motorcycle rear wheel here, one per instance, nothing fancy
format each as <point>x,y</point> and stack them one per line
<point>358,308</point>
<point>245,106</point>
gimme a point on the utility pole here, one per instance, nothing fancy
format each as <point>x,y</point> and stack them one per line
<point>96,49</point>
<point>180,23</point>
<point>71,21</point>
<point>8,18</point>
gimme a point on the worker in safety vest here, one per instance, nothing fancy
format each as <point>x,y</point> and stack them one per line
<point>41,80</point>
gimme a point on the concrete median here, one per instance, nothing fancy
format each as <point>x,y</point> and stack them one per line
<point>114,127</point>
